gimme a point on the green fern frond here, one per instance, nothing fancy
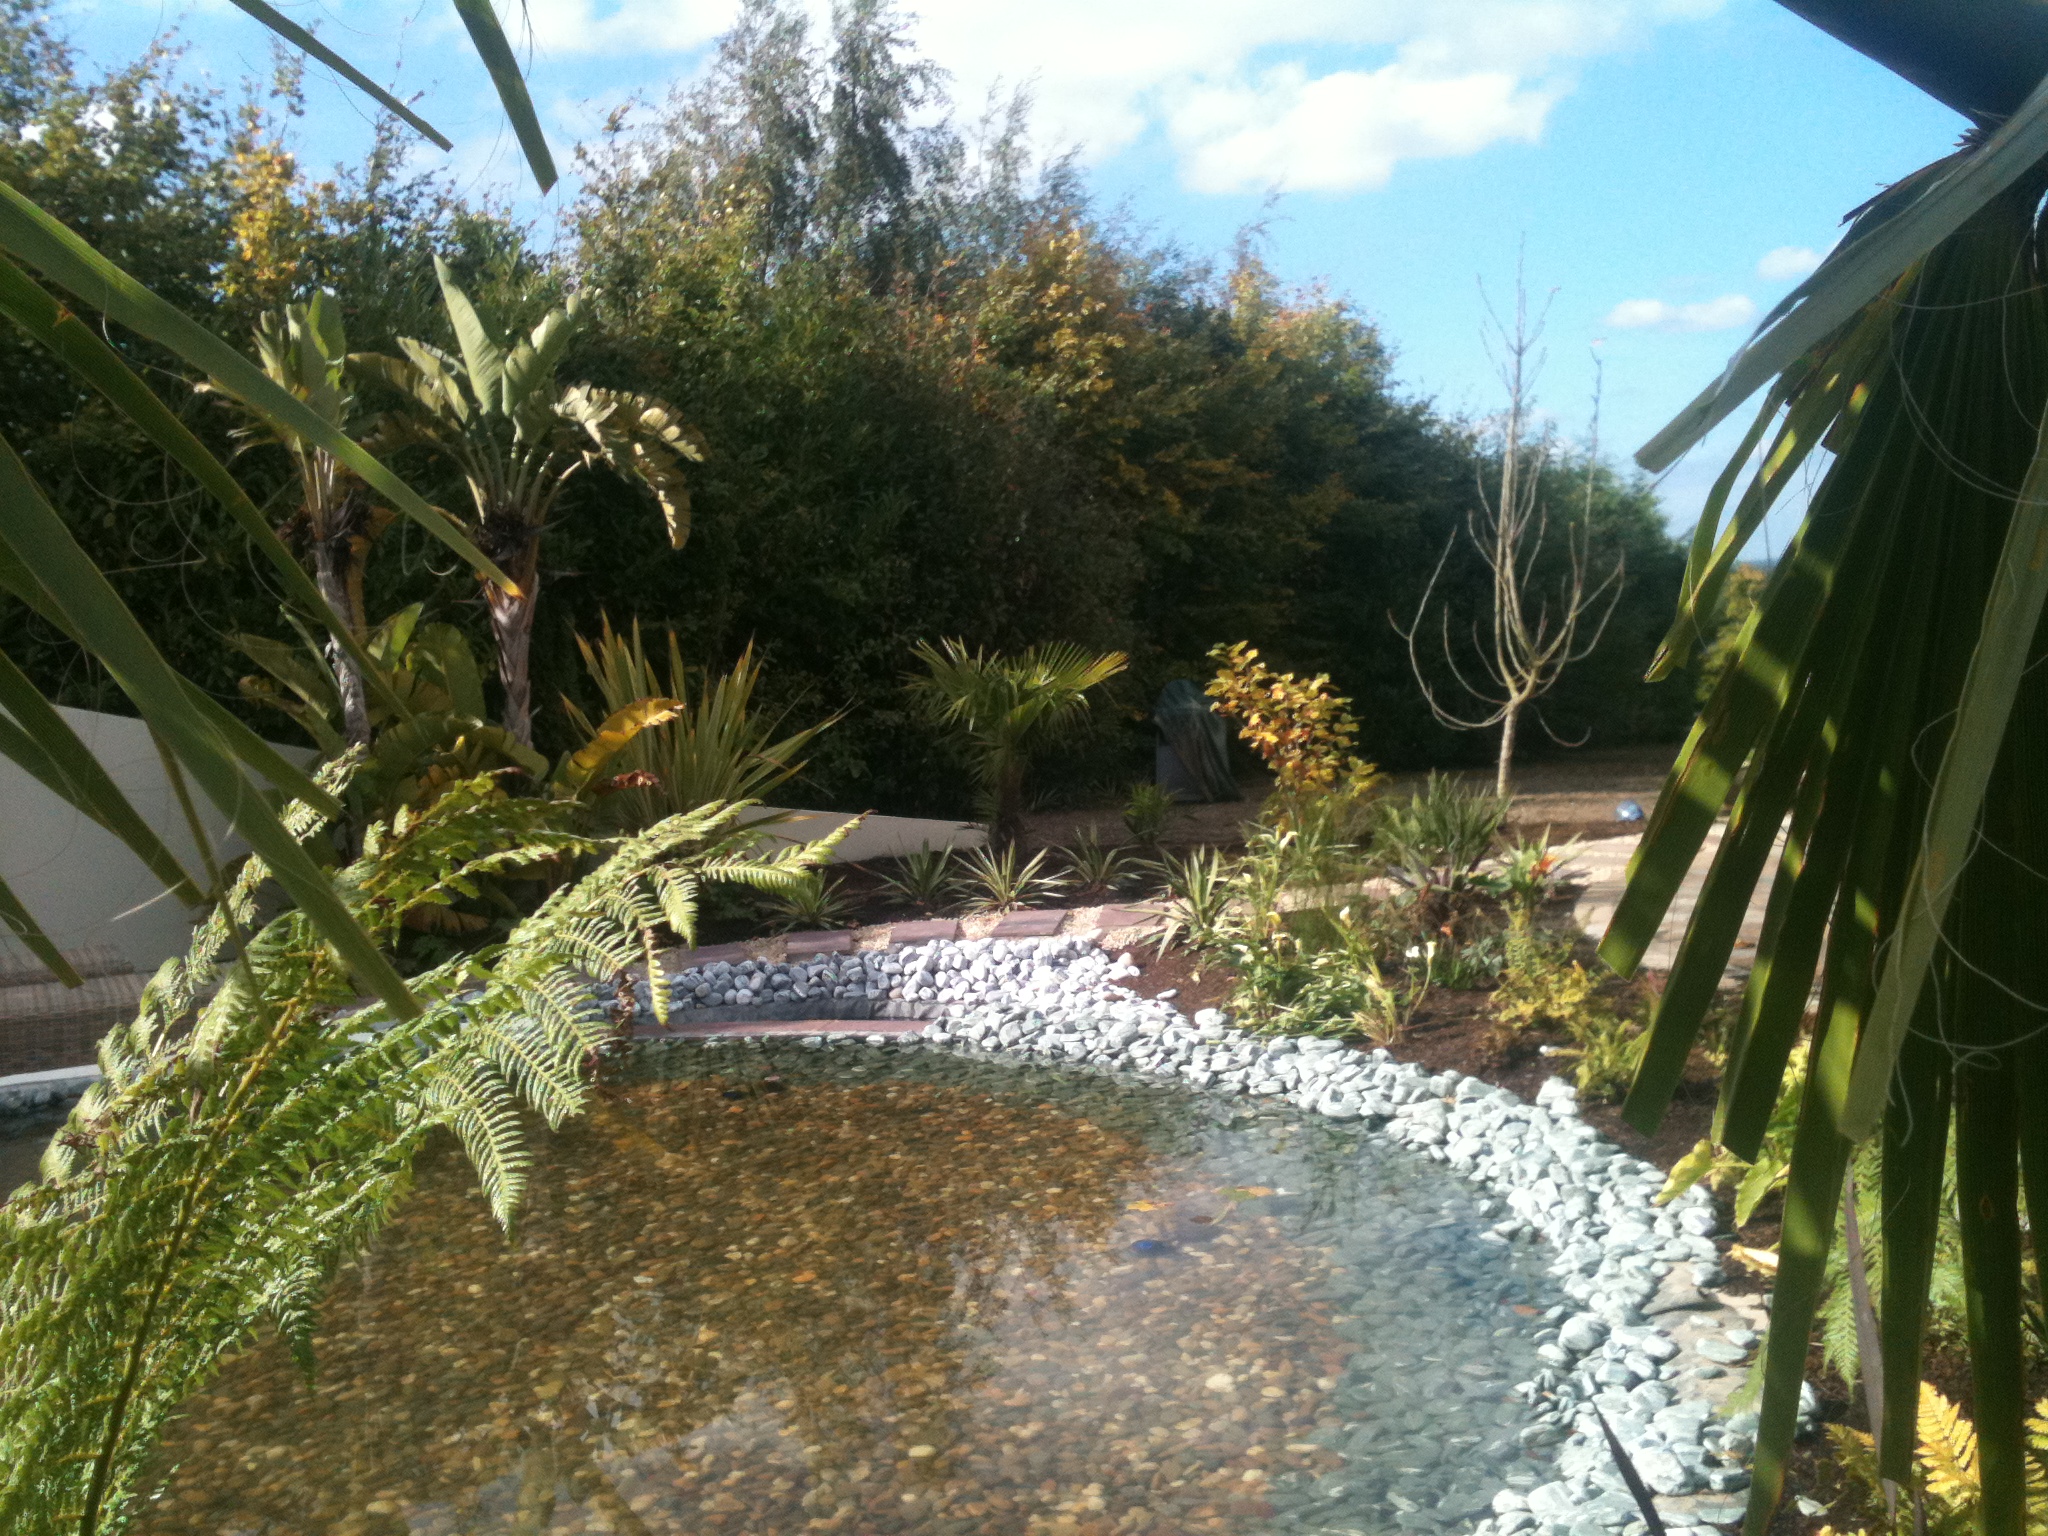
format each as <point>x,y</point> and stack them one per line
<point>244,1144</point>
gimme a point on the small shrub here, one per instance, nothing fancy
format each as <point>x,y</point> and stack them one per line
<point>1302,732</point>
<point>1434,846</point>
<point>1608,1049</point>
<point>1147,813</point>
<point>1543,987</point>
<point>929,878</point>
<point>1000,883</point>
<point>1469,966</point>
<point>1317,972</point>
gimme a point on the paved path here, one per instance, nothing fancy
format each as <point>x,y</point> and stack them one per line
<point>1603,866</point>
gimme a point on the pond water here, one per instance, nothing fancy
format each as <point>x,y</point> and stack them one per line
<point>764,1289</point>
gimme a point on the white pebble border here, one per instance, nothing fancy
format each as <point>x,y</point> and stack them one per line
<point>1551,1175</point>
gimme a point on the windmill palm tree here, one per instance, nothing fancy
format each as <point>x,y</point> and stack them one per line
<point>517,437</point>
<point>1006,706</point>
<point>1888,709</point>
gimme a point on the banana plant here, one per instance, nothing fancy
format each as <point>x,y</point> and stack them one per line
<point>517,437</point>
<point>303,348</point>
<point>1888,710</point>
<point>43,567</point>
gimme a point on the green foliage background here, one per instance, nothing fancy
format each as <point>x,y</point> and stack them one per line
<point>944,396</point>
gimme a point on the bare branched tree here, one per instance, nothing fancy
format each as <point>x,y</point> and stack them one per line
<point>1536,628</point>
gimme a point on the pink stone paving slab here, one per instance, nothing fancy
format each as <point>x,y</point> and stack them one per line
<point>838,942</point>
<point>1027,925</point>
<point>688,959</point>
<point>1113,918</point>
<point>924,933</point>
<point>781,1027</point>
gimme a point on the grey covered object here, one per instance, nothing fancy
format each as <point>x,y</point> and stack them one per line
<point>1194,753</point>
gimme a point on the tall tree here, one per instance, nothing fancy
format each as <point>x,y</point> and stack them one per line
<point>1530,634</point>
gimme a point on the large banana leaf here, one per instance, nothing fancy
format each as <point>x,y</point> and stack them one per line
<point>1889,701</point>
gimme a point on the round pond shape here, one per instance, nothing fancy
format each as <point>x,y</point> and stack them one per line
<point>768,1289</point>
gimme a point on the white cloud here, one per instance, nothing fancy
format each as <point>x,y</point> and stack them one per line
<point>1722,314</point>
<point>1787,263</point>
<point>1316,94</point>
<point>1347,129</point>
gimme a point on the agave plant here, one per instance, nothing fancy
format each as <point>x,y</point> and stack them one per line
<point>817,901</point>
<point>517,437</point>
<point>1888,701</point>
<point>1008,706</point>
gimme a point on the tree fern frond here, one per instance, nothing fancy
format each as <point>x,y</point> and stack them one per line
<point>218,1175</point>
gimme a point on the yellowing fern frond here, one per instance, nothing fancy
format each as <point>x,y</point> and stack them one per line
<point>1948,1448</point>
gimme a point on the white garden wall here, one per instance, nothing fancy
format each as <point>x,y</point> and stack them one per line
<point>85,888</point>
<point>79,881</point>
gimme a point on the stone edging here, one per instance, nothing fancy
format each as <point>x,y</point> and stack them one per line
<point>1651,1348</point>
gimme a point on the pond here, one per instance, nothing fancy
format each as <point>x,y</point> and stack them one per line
<point>770,1288</point>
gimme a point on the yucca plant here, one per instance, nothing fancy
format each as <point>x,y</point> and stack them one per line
<point>1001,879</point>
<point>241,1147</point>
<point>928,878</point>
<point>517,437</point>
<point>1007,707</point>
<point>1887,699</point>
<point>716,746</point>
<point>1199,890</point>
<point>42,565</point>
<point>1096,869</point>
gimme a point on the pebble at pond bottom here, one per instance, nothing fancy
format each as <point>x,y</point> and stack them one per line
<point>766,1290</point>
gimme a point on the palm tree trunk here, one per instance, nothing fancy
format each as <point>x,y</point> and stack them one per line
<point>512,627</point>
<point>330,574</point>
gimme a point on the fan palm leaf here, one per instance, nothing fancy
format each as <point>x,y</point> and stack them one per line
<point>1005,706</point>
<point>1888,701</point>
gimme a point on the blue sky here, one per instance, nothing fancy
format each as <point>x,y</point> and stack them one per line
<point>1668,166</point>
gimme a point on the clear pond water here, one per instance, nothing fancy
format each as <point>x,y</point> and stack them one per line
<point>765,1290</point>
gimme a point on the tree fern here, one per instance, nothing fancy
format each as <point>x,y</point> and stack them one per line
<point>242,1145</point>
